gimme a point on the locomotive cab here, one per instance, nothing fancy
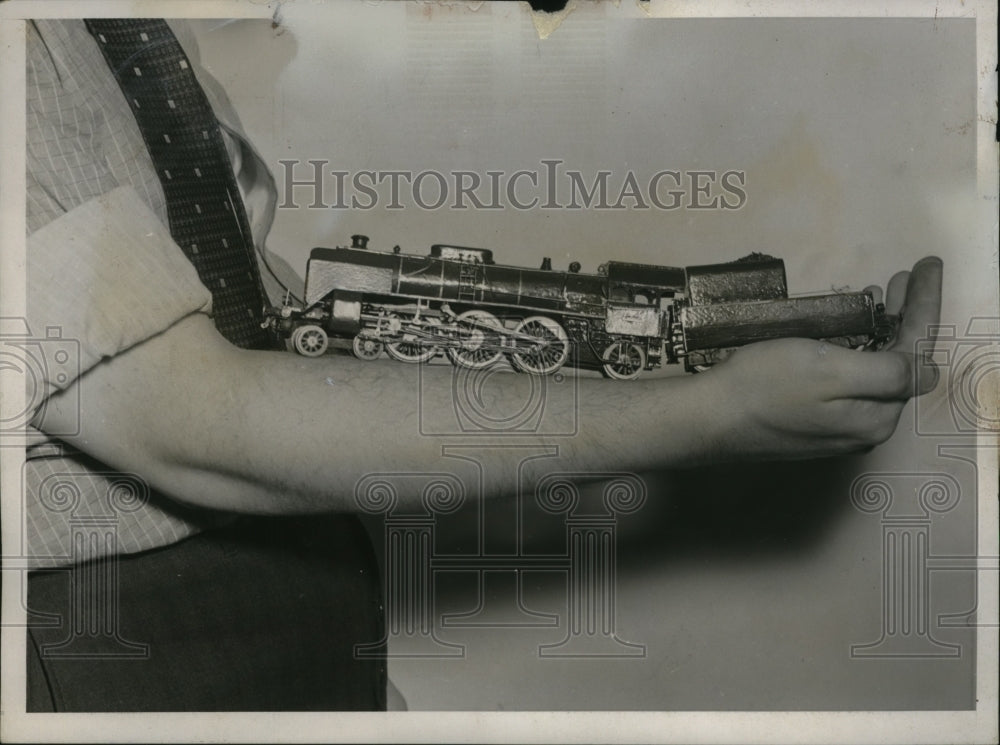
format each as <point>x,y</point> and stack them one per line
<point>641,298</point>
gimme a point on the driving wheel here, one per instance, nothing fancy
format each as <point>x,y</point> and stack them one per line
<point>480,334</point>
<point>414,346</point>
<point>547,354</point>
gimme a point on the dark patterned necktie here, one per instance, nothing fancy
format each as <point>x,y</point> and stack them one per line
<point>204,208</point>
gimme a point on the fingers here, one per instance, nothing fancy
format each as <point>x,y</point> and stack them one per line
<point>884,376</point>
<point>895,295</point>
<point>926,372</point>
<point>866,421</point>
<point>921,313</point>
<point>917,296</point>
<point>922,306</point>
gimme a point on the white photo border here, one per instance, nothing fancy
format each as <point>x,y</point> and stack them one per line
<point>978,726</point>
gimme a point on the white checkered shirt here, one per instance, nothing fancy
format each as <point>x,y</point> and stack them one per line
<point>102,269</point>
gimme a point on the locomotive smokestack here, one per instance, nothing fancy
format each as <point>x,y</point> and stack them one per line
<point>359,241</point>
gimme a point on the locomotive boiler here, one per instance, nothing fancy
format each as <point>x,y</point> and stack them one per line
<point>628,317</point>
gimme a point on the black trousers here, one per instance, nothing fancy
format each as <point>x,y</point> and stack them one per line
<point>263,615</point>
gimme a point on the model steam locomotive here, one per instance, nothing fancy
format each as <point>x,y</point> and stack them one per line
<point>625,319</point>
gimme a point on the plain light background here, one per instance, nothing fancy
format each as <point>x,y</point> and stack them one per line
<point>748,585</point>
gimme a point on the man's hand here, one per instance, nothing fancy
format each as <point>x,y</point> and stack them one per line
<point>796,398</point>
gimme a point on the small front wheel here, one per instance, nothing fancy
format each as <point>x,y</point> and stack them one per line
<point>366,347</point>
<point>310,341</point>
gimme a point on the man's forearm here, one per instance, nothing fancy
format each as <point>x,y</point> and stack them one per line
<point>268,432</point>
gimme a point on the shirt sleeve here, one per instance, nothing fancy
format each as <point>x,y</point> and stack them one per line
<point>104,277</point>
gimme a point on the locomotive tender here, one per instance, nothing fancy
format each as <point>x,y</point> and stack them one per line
<point>625,319</point>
